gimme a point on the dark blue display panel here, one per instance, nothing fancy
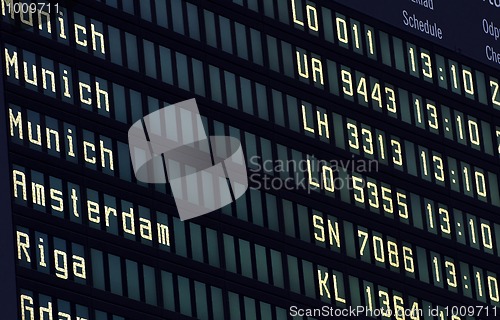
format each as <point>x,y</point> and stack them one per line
<point>470,28</point>
<point>372,154</point>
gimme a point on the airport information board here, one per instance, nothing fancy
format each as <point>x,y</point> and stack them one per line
<point>371,134</point>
